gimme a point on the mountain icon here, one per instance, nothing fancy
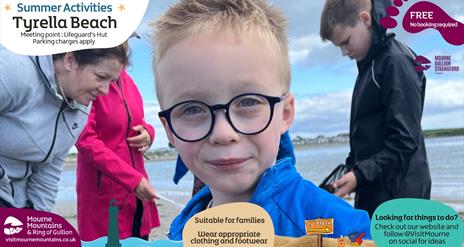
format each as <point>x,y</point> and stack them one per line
<point>12,226</point>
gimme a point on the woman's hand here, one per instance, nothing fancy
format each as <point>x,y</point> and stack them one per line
<point>144,191</point>
<point>142,141</point>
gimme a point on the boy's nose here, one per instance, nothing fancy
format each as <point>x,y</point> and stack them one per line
<point>223,132</point>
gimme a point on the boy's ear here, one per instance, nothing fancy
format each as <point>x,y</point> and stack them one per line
<point>366,18</point>
<point>169,134</point>
<point>288,113</point>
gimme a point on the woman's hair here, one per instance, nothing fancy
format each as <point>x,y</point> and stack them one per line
<point>94,56</point>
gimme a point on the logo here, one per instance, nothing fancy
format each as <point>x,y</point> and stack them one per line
<point>75,126</point>
<point>424,15</point>
<point>356,237</point>
<point>422,63</point>
<point>12,226</point>
<point>443,63</point>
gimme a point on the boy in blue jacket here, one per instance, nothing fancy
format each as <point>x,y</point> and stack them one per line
<point>222,81</point>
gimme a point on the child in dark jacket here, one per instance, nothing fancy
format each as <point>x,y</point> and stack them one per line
<point>387,146</point>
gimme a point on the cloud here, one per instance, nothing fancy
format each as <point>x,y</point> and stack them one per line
<point>452,8</point>
<point>303,16</point>
<point>444,96</point>
<point>460,18</point>
<point>326,114</point>
<point>329,113</point>
<point>300,48</point>
<point>151,110</point>
<point>154,10</point>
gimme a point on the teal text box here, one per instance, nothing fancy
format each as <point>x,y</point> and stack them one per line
<point>416,222</point>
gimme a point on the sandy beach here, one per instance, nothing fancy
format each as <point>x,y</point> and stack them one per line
<point>445,155</point>
<point>166,211</point>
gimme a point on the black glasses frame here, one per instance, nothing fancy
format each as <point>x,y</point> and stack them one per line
<point>271,99</point>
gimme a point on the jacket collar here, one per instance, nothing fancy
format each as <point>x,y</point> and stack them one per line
<point>274,179</point>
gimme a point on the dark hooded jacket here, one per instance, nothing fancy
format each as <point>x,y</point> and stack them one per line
<point>387,150</point>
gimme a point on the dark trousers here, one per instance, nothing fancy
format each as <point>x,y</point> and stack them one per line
<point>369,199</point>
<point>138,221</point>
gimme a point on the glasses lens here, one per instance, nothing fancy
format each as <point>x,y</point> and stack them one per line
<point>250,113</point>
<point>191,120</point>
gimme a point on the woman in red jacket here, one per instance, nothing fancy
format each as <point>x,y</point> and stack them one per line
<point>110,165</point>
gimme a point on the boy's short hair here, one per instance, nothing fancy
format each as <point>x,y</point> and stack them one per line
<point>341,12</point>
<point>192,17</point>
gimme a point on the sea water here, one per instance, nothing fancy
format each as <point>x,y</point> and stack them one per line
<point>445,156</point>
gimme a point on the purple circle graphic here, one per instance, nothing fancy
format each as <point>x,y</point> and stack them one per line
<point>388,22</point>
<point>398,3</point>
<point>393,11</point>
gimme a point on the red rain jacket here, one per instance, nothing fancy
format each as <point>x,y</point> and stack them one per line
<point>108,168</point>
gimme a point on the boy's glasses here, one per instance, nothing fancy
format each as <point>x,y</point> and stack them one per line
<point>248,114</point>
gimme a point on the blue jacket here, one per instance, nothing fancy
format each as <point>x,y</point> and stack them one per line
<point>290,200</point>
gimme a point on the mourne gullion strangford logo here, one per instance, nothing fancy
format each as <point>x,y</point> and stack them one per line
<point>444,64</point>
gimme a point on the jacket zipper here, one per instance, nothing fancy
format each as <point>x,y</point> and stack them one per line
<point>59,112</point>
<point>99,180</point>
<point>12,189</point>
<point>129,121</point>
<point>25,174</point>
<point>54,132</point>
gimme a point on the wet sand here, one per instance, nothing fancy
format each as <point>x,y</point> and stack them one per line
<point>167,213</point>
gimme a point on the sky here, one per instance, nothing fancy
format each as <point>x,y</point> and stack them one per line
<point>322,79</point>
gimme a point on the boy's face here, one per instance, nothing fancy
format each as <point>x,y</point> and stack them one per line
<point>354,42</point>
<point>214,69</point>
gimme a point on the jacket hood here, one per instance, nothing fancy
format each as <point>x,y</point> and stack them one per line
<point>380,37</point>
<point>47,72</point>
<point>379,11</point>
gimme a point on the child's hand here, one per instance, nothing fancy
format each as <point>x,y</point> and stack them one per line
<point>141,141</point>
<point>345,184</point>
<point>144,191</point>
